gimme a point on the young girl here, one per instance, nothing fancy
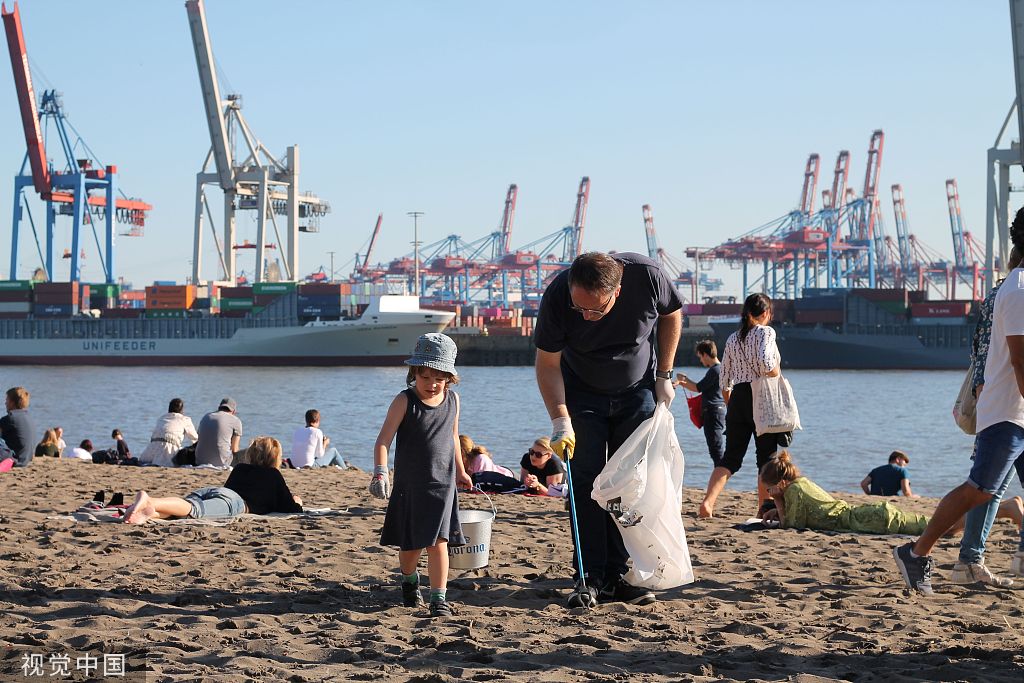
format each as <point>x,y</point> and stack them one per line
<point>423,510</point>
<point>256,487</point>
<point>802,504</point>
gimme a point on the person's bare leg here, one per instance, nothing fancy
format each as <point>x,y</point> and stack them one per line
<point>949,512</point>
<point>762,493</point>
<point>437,565</point>
<point>408,560</point>
<point>719,477</point>
<point>145,508</point>
<point>1012,509</point>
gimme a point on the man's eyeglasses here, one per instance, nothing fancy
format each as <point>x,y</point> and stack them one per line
<point>535,454</point>
<point>599,312</point>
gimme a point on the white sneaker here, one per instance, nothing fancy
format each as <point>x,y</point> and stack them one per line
<point>965,574</point>
<point>1017,565</point>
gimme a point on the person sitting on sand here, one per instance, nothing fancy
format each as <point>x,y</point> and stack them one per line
<point>476,458</point>
<point>61,443</point>
<point>802,504</point>
<point>310,446</point>
<point>48,446</point>
<point>256,487</point>
<point>82,451</point>
<point>120,446</point>
<point>890,479</point>
<point>169,435</point>
<point>540,467</point>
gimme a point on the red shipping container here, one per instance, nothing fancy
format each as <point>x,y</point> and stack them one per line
<point>941,309</point>
<point>723,309</point>
<point>822,317</point>
<point>881,294</point>
<point>13,316</point>
<point>15,295</point>
<point>57,287</point>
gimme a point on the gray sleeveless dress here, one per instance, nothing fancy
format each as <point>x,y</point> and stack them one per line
<point>424,504</point>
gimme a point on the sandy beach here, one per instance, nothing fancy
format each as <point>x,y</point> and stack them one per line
<point>314,598</point>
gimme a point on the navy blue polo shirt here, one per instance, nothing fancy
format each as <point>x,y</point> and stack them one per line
<point>619,350</point>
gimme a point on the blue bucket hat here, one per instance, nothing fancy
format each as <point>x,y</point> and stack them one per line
<point>434,350</point>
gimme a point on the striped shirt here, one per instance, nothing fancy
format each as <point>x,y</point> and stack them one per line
<point>746,360</point>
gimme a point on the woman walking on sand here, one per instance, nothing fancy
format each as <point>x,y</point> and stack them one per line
<point>750,353</point>
<point>423,510</point>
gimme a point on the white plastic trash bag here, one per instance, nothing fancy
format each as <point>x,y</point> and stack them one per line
<point>642,487</point>
<point>775,408</point>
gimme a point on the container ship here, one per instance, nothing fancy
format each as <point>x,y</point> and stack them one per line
<point>859,329</point>
<point>268,324</point>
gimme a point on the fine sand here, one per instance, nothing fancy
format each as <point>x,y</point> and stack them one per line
<point>314,598</point>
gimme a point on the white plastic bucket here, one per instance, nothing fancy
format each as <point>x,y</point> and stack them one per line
<point>476,531</point>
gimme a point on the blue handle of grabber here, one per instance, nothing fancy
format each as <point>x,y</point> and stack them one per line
<point>572,516</point>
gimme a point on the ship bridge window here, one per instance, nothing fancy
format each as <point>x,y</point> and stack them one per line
<point>392,340</point>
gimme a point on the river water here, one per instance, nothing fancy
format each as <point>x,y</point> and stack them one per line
<point>851,419</point>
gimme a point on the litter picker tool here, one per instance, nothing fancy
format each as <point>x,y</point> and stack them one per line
<point>585,597</point>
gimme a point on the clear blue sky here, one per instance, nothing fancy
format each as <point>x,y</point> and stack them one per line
<point>707,111</point>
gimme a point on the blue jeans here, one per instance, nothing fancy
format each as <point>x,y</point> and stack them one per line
<point>602,422</point>
<point>215,501</point>
<point>331,457</point>
<point>978,525</point>
<point>998,450</point>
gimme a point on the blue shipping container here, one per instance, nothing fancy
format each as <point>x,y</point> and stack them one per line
<point>311,311</point>
<point>54,310</point>
<point>319,300</point>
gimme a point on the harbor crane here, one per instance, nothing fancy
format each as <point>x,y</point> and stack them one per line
<point>68,189</point>
<point>258,181</point>
<point>361,269</point>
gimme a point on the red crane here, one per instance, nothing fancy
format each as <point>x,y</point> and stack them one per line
<point>361,269</point>
<point>810,185</point>
<point>507,217</point>
<point>70,185</point>
<point>579,218</point>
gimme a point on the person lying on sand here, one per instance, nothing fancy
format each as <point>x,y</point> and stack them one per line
<point>802,504</point>
<point>256,487</point>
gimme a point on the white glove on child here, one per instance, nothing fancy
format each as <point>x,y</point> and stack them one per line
<point>664,392</point>
<point>380,485</point>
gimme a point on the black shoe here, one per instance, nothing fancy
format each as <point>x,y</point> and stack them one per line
<point>916,571</point>
<point>411,596</point>
<point>583,595</point>
<point>620,591</point>
<point>440,608</point>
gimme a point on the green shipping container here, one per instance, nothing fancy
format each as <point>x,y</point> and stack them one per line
<point>894,307</point>
<point>106,290</point>
<point>273,288</point>
<point>16,285</point>
<point>236,304</point>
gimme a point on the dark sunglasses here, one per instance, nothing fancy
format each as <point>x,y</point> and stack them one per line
<point>536,454</point>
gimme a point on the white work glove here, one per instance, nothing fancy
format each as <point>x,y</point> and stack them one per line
<point>664,392</point>
<point>380,485</point>
<point>562,436</point>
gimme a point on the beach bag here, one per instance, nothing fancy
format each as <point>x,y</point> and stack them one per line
<point>695,404</point>
<point>965,408</point>
<point>775,408</point>
<point>641,486</point>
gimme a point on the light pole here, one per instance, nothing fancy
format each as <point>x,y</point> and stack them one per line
<point>331,278</point>
<point>416,249</point>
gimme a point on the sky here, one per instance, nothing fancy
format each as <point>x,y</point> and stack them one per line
<point>707,111</point>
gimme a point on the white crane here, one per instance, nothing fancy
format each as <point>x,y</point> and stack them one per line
<point>259,182</point>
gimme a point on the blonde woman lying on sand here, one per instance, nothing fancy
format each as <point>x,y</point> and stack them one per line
<point>256,487</point>
<point>802,504</point>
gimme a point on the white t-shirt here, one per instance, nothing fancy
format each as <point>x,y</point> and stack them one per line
<point>307,445</point>
<point>1000,400</point>
<point>77,453</point>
